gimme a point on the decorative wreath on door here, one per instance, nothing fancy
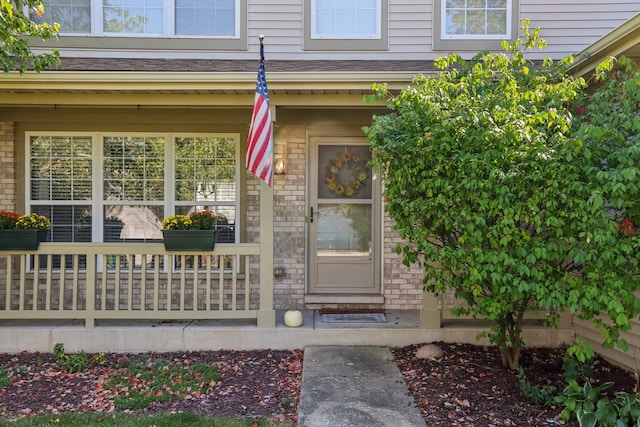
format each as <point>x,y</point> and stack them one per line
<point>346,174</point>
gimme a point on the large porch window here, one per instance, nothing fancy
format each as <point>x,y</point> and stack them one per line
<point>118,187</point>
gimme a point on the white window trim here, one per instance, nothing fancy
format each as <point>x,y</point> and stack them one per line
<point>472,43</point>
<point>100,202</point>
<point>445,36</point>
<point>97,23</point>
<point>170,155</point>
<point>97,201</point>
<point>317,36</point>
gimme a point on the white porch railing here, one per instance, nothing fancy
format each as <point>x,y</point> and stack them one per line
<point>92,281</point>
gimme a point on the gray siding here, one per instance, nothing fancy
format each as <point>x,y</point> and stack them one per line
<point>629,359</point>
<point>568,25</point>
<point>571,25</point>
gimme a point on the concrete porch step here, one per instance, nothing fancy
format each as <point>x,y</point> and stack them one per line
<point>402,328</point>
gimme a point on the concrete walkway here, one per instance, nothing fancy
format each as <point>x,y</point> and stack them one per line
<point>354,386</point>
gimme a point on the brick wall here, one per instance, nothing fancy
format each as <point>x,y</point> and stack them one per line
<point>289,227</point>
<point>402,285</point>
<point>9,192</point>
<point>289,212</point>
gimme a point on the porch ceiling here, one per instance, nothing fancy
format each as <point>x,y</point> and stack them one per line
<point>169,90</point>
<point>110,82</point>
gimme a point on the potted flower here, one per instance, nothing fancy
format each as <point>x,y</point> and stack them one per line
<point>190,232</point>
<point>22,232</point>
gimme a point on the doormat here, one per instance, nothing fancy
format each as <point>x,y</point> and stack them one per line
<point>351,310</point>
<point>353,318</point>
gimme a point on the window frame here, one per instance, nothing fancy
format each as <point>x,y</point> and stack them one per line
<point>314,41</point>
<point>98,39</point>
<point>95,177</point>
<point>97,200</point>
<point>470,42</point>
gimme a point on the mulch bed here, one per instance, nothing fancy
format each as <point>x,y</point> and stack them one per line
<point>467,387</point>
<point>254,384</point>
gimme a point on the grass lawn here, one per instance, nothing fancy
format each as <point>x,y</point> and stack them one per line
<point>129,420</point>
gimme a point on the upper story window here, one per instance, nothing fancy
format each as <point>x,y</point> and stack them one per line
<point>474,24</point>
<point>340,19</point>
<point>214,17</point>
<point>74,16</point>
<point>476,19</point>
<point>346,24</point>
<point>169,18</point>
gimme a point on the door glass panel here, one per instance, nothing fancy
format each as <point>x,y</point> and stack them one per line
<point>344,214</point>
<point>344,230</point>
<point>343,172</point>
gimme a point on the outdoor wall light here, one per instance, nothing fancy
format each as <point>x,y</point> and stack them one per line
<point>279,167</point>
<point>280,157</point>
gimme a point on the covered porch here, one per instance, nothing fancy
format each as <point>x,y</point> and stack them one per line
<point>112,297</point>
<point>134,281</point>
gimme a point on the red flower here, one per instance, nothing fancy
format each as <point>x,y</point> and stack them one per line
<point>626,227</point>
<point>580,110</point>
<point>8,219</point>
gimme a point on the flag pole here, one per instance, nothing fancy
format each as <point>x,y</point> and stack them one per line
<point>266,315</point>
<point>260,140</point>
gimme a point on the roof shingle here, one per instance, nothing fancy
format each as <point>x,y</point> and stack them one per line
<point>230,66</point>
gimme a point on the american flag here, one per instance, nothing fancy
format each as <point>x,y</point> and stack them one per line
<point>260,142</point>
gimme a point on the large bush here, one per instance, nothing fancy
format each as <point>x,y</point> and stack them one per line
<point>504,198</point>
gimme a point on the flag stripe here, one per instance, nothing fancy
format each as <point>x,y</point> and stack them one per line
<point>259,146</point>
<point>260,141</point>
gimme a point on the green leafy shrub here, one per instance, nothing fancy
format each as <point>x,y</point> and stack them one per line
<point>511,200</point>
<point>5,378</point>
<point>139,383</point>
<point>538,395</point>
<point>546,395</point>
<point>78,362</point>
<point>591,406</point>
<point>574,369</point>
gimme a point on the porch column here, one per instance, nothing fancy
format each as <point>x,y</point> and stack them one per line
<point>266,314</point>
<point>430,316</point>
<point>90,283</point>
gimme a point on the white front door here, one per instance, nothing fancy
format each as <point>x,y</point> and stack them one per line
<point>344,221</point>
